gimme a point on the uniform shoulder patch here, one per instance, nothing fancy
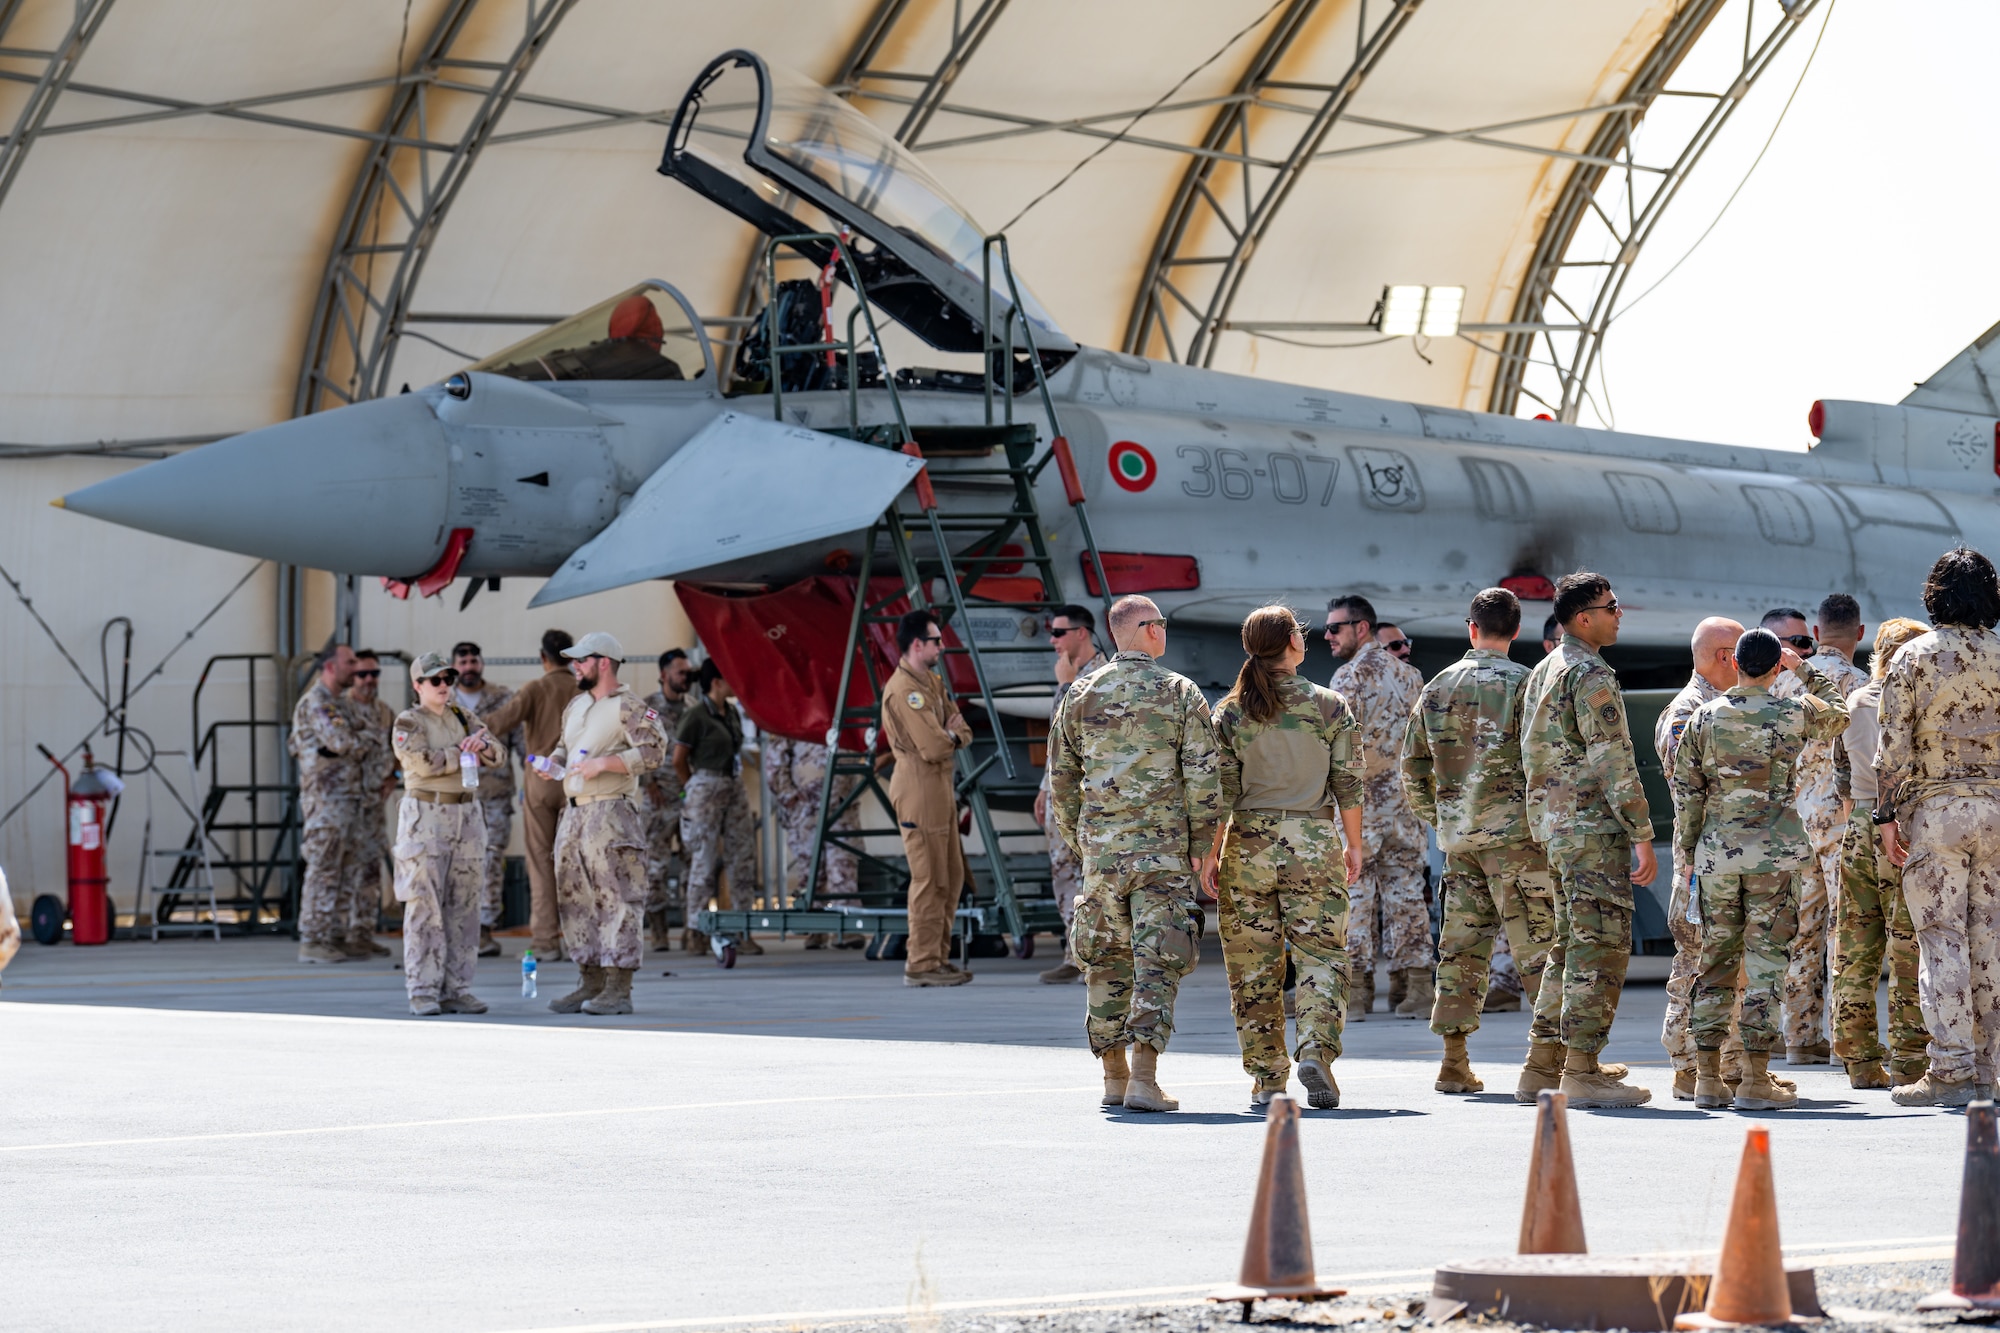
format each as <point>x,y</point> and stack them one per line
<point>1814,702</point>
<point>915,699</point>
<point>652,716</point>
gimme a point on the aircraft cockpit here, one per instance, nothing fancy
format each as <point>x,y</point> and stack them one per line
<point>648,332</point>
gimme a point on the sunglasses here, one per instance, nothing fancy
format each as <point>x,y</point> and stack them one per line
<point>933,638</point>
<point>1055,633</point>
<point>1801,642</point>
<point>1333,625</point>
<point>1611,606</point>
<point>1397,645</point>
<point>441,678</point>
<point>1161,621</point>
<point>368,675</point>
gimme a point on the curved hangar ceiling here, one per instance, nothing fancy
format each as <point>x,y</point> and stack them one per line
<point>213,215</point>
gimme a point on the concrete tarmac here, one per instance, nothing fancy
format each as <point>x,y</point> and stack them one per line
<point>207,1135</point>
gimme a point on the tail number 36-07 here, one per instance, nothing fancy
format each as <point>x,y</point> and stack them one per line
<point>1229,473</point>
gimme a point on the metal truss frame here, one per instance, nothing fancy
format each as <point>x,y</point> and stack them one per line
<point>1629,198</point>
<point>47,85</point>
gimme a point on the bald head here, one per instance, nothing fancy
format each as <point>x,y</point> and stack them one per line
<point>1715,650</point>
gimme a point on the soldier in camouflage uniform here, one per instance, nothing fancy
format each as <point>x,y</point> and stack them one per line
<point>483,698</point>
<point>1939,773</point>
<point>1071,630</point>
<point>440,847</point>
<point>373,721</point>
<point>1135,792</point>
<point>1738,832</point>
<point>329,754</point>
<point>662,792</point>
<point>1381,690</point>
<point>716,826</point>
<point>1838,632</point>
<point>795,774</point>
<point>1462,769</point>
<point>1588,811</point>
<point>609,739</point>
<point>1871,916</point>
<point>1290,768</point>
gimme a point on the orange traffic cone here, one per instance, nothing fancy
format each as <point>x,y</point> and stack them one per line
<point>1552,1216</point>
<point>1278,1257</point>
<point>1749,1285</point>
<point>1975,1265</point>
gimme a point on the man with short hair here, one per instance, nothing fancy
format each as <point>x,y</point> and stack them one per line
<point>1552,632</point>
<point>1588,811</point>
<point>482,698</point>
<point>925,732</point>
<point>1382,690</point>
<point>716,828</point>
<point>1394,642</point>
<point>535,715</point>
<point>1461,766</point>
<point>1938,770</point>
<point>1071,631</point>
<point>329,752</point>
<point>1831,649</point>
<point>374,720</point>
<point>662,794</point>
<point>1136,786</point>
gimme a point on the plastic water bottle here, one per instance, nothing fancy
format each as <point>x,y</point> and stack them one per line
<point>468,770</point>
<point>528,974</point>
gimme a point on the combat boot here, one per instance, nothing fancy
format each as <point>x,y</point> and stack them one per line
<point>659,936</point>
<point>1543,1072</point>
<point>694,941</point>
<point>1263,1090</point>
<point>322,953</point>
<point>1421,996</point>
<point>1758,1091</point>
<point>1709,1090</point>
<point>1142,1087</point>
<point>1866,1074</point>
<point>616,997</point>
<point>1587,1085</point>
<point>819,939</point>
<point>1117,1074</point>
<point>746,945</point>
<point>488,946</point>
<point>1455,1074</point>
<point>364,946</point>
<point>1814,1053</point>
<point>1061,974</point>
<point>1399,986</point>
<point>425,1006</point>
<point>1684,1085</point>
<point>1360,997</point>
<point>467,1003</point>
<point>1500,1001</point>
<point>1930,1090</point>
<point>1316,1072</point>
<point>590,983</point>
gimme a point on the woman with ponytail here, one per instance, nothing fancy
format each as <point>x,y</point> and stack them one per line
<point>1291,778</point>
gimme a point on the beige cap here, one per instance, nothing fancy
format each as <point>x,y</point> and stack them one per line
<point>596,644</point>
<point>428,665</point>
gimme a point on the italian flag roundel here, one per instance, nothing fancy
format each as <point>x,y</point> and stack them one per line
<point>1132,466</point>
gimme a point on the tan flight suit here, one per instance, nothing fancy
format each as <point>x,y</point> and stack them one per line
<point>537,709</point>
<point>440,852</point>
<point>601,843</point>
<point>925,731</point>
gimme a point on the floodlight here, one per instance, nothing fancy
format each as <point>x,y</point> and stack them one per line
<point>1442,307</point>
<point>1402,311</point>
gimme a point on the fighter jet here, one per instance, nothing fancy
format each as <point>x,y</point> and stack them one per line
<point>609,449</point>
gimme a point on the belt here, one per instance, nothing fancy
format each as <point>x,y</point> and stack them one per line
<point>1317,812</point>
<point>442,797</point>
<point>591,800</point>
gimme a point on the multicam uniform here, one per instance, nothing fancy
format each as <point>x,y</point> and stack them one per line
<point>1135,792</point>
<point>1736,827</point>
<point>440,852</point>
<point>373,721</point>
<point>1381,690</point>
<point>1283,883</point>
<point>1065,872</point>
<point>1586,808</point>
<point>925,731</point>
<point>1939,769</point>
<point>1462,769</point>
<point>1675,1033</point>
<point>795,774</point>
<point>661,795</point>
<point>716,829</point>
<point>1871,916</point>
<point>1819,883</point>
<point>496,801</point>
<point>330,752</point>
<point>601,841</point>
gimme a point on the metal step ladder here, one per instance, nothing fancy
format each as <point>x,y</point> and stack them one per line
<point>910,551</point>
<point>188,881</point>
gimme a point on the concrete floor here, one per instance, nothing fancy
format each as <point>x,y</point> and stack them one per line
<point>206,1135</point>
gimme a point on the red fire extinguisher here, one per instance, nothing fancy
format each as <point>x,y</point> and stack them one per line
<point>84,805</point>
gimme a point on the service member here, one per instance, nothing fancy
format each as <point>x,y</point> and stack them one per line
<point>1136,792</point>
<point>535,715</point>
<point>440,846</point>
<point>373,720</point>
<point>329,753</point>
<point>1587,809</point>
<point>483,698</point>
<point>1871,915</point>
<point>1289,761</point>
<point>795,773</point>
<point>1072,631</point>
<point>925,732</point>
<point>1738,832</point>
<point>716,827</point>
<point>609,739</point>
<point>662,793</point>
<point>1462,769</point>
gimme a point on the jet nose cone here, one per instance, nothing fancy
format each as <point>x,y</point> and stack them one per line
<point>358,490</point>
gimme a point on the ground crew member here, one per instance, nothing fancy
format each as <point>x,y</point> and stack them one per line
<point>1381,690</point>
<point>440,847</point>
<point>374,720</point>
<point>795,773</point>
<point>1870,915</point>
<point>1136,791</point>
<point>1289,762</point>
<point>716,827</point>
<point>483,698</point>
<point>661,794</point>
<point>1939,773</point>
<point>1071,630</point>
<point>1714,648</point>
<point>535,715</point>
<point>1831,647</point>
<point>1587,809</point>
<point>613,739</point>
<point>1462,769</point>
<point>329,753</point>
<point>925,731</point>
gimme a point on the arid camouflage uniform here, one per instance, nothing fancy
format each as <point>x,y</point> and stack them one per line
<point>1381,690</point>
<point>330,754</point>
<point>1676,1034</point>
<point>1135,792</point>
<point>795,773</point>
<point>661,795</point>
<point>1939,769</point>
<point>496,805</point>
<point>1283,884</point>
<point>440,852</point>
<point>1819,882</point>
<point>1462,769</point>
<point>1871,917</point>
<point>1736,824</point>
<point>1586,808</point>
<point>373,720</point>
<point>1065,873</point>
<point>717,831</point>
<point>601,842</point>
